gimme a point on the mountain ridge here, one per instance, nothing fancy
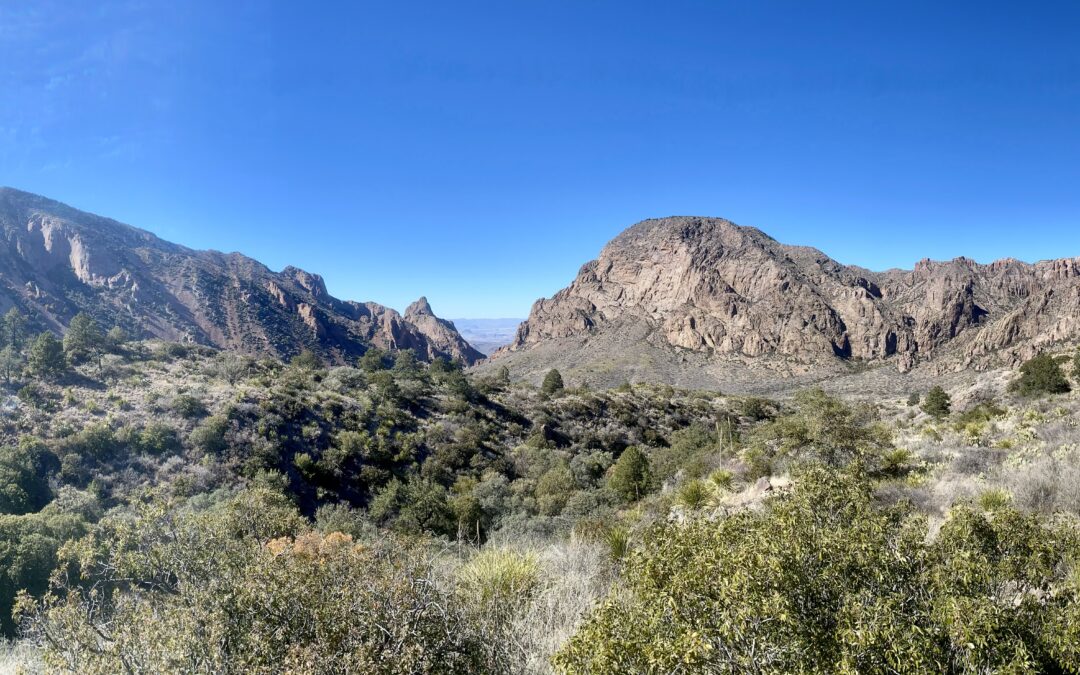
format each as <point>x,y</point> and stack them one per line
<point>56,261</point>
<point>707,286</point>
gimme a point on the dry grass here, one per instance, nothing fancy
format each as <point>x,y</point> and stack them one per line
<point>19,658</point>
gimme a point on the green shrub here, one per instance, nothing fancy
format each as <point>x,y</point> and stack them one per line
<point>823,580</point>
<point>210,435</point>
<point>694,494</point>
<point>158,438</point>
<point>822,427</point>
<point>143,591</point>
<point>1040,376</point>
<point>994,499</point>
<point>306,360</point>
<point>188,406</point>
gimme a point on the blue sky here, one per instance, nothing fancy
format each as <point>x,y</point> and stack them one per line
<point>479,153</point>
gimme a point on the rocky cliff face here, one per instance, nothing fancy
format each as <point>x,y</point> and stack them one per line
<point>715,288</point>
<point>56,261</point>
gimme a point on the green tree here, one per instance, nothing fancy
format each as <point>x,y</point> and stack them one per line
<point>937,403</point>
<point>306,360</point>
<point>821,427</point>
<point>553,383</point>
<point>406,364</point>
<point>1039,376</point>
<point>83,340</point>
<point>11,362</point>
<point>375,359</point>
<point>28,555</point>
<point>46,356</point>
<point>14,327</point>
<point>115,339</point>
<point>24,484</point>
<point>630,477</point>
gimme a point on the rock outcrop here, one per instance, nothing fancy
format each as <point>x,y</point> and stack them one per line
<point>56,261</point>
<point>710,287</point>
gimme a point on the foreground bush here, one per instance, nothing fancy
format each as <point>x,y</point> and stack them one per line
<point>823,580</point>
<point>244,587</point>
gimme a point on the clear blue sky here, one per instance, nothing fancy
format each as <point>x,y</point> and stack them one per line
<point>478,153</point>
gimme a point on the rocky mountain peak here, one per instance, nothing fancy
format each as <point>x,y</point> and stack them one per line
<point>715,288</point>
<point>56,261</point>
<point>419,308</point>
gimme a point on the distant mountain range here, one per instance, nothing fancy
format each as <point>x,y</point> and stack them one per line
<point>706,302</point>
<point>487,335</point>
<point>56,261</point>
<point>686,300</point>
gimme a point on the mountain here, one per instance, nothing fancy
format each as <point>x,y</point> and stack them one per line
<point>487,335</point>
<point>704,301</point>
<point>56,261</point>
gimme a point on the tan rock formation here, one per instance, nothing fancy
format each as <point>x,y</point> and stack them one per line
<point>712,287</point>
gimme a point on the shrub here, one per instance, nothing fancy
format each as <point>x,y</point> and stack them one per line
<point>822,427</point>
<point>1040,376</point>
<point>757,408</point>
<point>618,542</point>
<point>306,360</point>
<point>823,580</point>
<point>497,577</point>
<point>694,494</point>
<point>210,435</point>
<point>188,406</point>
<point>158,438</point>
<point>994,499</point>
<point>24,484</point>
<point>144,589</point>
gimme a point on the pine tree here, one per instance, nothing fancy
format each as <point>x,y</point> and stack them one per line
<point>306,360</point>
<point>553,383</point>
<point>630,477</point>
<point>14,327</point>
<point>83,340</point>
<point>46,356</point>
<point>11,362</point>
<point>937,403</point>
<point>1040,375</point>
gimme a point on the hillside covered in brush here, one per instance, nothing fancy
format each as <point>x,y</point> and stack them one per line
<point>392,516</point>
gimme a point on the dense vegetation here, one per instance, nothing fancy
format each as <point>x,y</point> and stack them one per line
<point>825,580</point>
<point>169,508</point>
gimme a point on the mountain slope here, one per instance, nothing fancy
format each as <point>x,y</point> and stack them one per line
<point>56,261</point>
<point>702,291</point>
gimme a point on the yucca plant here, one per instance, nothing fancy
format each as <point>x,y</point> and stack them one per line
<point>694,494</point>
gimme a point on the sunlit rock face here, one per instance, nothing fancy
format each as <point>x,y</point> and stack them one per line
<point>709,285</point>
<point>56,261</point>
